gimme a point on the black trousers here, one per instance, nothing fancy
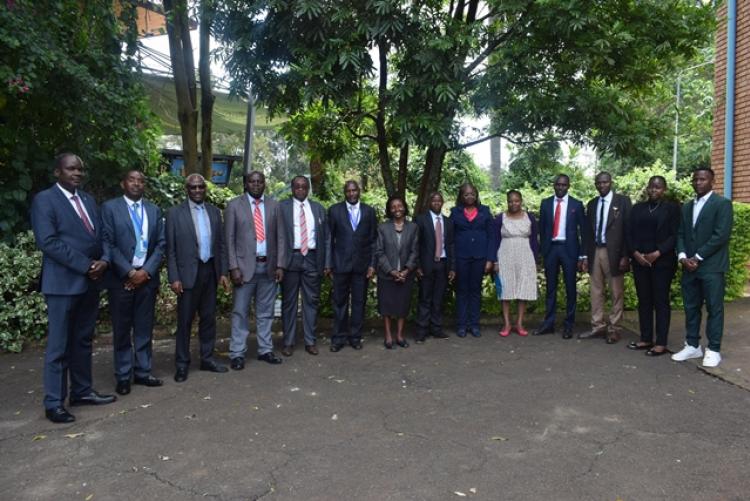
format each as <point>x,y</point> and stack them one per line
<point>652,287</point>
<point>132,315</point>
<point>556,259</point>
<point>431,295</point>
<point>349,290</point>
<point>201,299</point>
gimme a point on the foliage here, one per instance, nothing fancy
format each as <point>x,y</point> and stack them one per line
<point>65,84</point>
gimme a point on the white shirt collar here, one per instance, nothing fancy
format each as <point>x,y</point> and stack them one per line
<point>564,199</point>
<point>608,197</point>
<point>131,202</point>
<point>67,193</point>
<point>704,198</point>
<point>435,215</point>
<point>352,206</point>
<point>253,199</point>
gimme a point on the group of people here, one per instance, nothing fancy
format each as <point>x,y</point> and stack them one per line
<point>261,244</point>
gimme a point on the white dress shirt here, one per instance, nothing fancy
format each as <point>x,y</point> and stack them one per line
<point>309,222</point>
<point>138,262</point>
<point>70,196</point>
<point>435,219</point>
<point>353,213</point>
<point>698,205</point>
<point>260,247</point>
<point>563,218</point>
<point>607,204</point>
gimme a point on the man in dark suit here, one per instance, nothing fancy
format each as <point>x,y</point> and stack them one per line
<point>303,246</point>
<point>607,256</point>
<point>354,231</point>
<point>561,223</point>
<point>251,222</point>
<point>134,239</point>
<point>196,262</point>
<point>703,251</point>
<point>437,267</point>
<point>67,229</point>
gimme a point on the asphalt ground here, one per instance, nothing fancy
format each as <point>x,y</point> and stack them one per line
<point>533,418</point>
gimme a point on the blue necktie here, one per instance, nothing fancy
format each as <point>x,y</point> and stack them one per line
<point>203,229</point>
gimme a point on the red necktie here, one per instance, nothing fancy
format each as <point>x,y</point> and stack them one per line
<point>260,232</point>
<point>82,215</point>
<point>556,224</point>
<point>302,230</point>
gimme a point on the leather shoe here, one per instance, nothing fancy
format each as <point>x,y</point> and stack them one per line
<point>237,363</point>
<point>92,398</point>
<point>287,351</point>
<point>123,387</point>
<point>270,358</point>
<point>336,347</point>
<point>476,332</point>
<point>440,335</point>
<point>181,374</point>
<point>592,334</point>
<point>402,343</point>
<point>633,345</point>
<point>211,366</point>
<point>149,381</point>
<point>544,329</point>
<point>567,332</point>
<point>357,344</point>
<point>311,349</point>
<point>652,353</point>
<point>59,415</point>
<point>420,340</point>
<point>613,338</point>
<point>461,333</point>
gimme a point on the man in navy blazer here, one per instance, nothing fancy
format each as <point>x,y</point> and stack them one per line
<point>67,229</point>
<point>561,223</point>
<point>134,239</point>
<point>196,263</point>
<point>354,231</point>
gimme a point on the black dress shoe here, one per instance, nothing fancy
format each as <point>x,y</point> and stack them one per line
<point>237,363</point>
<point>420,340</point>
<point>544,329</point>
<point>211,366</point>
<point>388,345</point>
<point>567,333</point>
<point>149,381</point>
<point>633,345</point>
<point>652,353</point>
<point>181,374</point>
<point>476,332</point>
<point>123,387</point>
<point>440,335</point>
<point>461,333</point>
<point>356,344</point>
<point>337,347</point>
<point>270,358</point>
<point>402,343</point>
<point>92,398</point>
<point>59,415</point>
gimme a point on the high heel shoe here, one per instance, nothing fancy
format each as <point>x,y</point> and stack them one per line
<point>521,331</point>
<point>388,345</point>
<point>504,332</point>
<point>402,343</point>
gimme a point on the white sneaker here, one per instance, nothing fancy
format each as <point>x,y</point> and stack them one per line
<point>712,358</point>
<point>687,353</point>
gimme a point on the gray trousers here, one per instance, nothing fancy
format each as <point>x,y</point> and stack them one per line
<point>302,275</point>
<point>263,289</point>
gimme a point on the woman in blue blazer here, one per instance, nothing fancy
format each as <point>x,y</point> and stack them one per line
<point>472,224</point>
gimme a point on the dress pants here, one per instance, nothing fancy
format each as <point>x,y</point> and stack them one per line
<point>698,289</point>
<point>202,299</point>
<point>600,276</point>
<point>132,313</point>
<point>469,273</point>
<point>431,294</point>
<point>263,289</point>
<point>652,287</point>
<point>303,275</point>
<point>72,320</point>
<point>349,289</point>
<point>556,259</point>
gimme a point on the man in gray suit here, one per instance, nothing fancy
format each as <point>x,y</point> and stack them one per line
<point>304,242</point>
<point>251,222</point>
<point>196,262</point>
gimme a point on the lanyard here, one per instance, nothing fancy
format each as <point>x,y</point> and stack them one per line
<point>137,220</point>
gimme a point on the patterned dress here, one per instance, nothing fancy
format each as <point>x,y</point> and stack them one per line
<point>515,260</point>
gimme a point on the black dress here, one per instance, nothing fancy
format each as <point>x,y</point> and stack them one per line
<point>395,250</point>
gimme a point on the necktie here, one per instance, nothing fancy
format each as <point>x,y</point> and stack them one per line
<point>556,223</point>
<point>205,241</point>
<point>82,214</point>
<point>438,239</point>
<point>600,226</point>
<point>137,220</point>
<point>260,231</point>
<point>302,230</point>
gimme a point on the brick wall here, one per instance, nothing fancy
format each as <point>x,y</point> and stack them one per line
<point>741,180</point>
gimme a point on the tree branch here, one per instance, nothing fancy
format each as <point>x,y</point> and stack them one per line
<point>520,142</point>
<point>494,44</point>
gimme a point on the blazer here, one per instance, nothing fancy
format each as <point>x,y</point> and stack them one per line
<point>388,251</point>
<point>239,223</point>
<point>497,236</point>
<point>352,251</point>
<point>286,234</point>
<point>67,247</point>
<point>575,226</point>
<point>709,238</point>
<point>119,240</point>
<point>616,231</point>
<point>473,239</point>
<point>183,254</point>
<point>427,242</point>
<point>665,233</point>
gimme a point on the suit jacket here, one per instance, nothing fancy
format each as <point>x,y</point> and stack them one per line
<point>616,231</point>
<point>574,226</point>
<point>286,234</point>
<point>119,240</point>
<point>352,251</point>
<point>388,251</point>
<point>240,233</point>
<point>427,242</point>
<point>183,253</point>
<point>709,238</point>
<point>665,233</point>
<point>473,239</point>
<point>67,247</point>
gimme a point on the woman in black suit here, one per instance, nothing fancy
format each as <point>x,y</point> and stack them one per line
<point>652,238</point>
<point>396,257</point>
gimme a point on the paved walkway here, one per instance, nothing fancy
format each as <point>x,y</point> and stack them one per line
<point>490,418</point>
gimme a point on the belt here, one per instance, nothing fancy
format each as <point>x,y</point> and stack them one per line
<point>558,242</point>
<point>261,259</point>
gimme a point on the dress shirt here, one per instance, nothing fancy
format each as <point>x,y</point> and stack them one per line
<point>353,213</point>
<point>435,219</point>
<point>563,218</point>
<point>194,214</point>
<point>138,261</point>
<point>260,247</point>
<point>309,222</point>
<point>698,205</point>
<point>607,204</point>
<point>70,196</point>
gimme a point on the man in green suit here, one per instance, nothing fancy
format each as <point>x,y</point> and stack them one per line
<point>703,251</point>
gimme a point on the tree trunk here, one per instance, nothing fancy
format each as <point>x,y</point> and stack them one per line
<point>207,97</point>
<point>317,175</point>
<point>382,135</point>
<point>433,168</point>
<point>403,164</point>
